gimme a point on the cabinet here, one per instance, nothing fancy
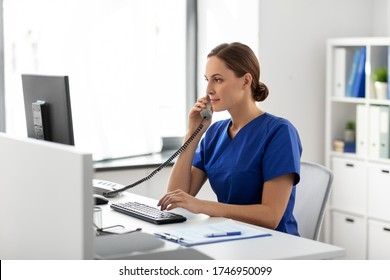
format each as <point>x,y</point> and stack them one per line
<point>350,234</point>
<point>349,185</point>
<point>358,216</point>
<point>378,240</point>
<point>379,191</point>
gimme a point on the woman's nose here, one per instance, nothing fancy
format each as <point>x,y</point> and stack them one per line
<point>209,88</point>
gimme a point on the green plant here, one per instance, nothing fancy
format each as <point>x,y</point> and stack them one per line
<point>350,125</point>
<point>380,75</point>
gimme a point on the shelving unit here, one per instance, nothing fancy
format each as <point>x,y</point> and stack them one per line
<point>358,217</point>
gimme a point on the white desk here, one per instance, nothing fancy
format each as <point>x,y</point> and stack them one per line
<point>277,246</point>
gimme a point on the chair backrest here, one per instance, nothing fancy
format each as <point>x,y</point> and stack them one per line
<point>312,194</point>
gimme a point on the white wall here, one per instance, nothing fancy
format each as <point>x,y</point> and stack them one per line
<point>381,18</point>
<point>292,55</point>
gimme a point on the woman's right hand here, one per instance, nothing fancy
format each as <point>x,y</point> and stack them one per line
<point>194,116</point>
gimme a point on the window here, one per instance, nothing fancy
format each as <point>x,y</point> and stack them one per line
<point>125,61</point>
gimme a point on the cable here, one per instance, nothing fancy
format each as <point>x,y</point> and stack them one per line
<point>154,172</point>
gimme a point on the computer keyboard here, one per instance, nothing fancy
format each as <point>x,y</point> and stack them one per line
<point>148,213</point>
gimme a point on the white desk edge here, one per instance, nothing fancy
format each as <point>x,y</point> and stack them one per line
<point>277,246</point>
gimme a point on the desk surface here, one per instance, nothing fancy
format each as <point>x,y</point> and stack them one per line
<point>277,246</point>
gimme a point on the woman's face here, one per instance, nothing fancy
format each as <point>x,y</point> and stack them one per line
<point>223,87</point>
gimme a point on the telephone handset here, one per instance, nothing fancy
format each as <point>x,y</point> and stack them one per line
<point>110,189</point>
<point>207,113</point>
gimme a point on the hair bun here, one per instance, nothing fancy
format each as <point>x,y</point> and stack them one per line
<point>260,92</point>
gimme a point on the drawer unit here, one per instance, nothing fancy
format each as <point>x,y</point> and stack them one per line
<point>349,185</point>
<point>378,240</point>
<point>379,191</point>
<point>349,232</point>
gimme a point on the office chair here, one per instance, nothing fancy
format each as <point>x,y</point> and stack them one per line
<point>312,194</point>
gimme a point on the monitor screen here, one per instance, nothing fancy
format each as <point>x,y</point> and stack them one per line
<point>47,108</point>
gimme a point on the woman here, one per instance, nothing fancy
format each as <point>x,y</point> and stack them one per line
<point>252,160</point>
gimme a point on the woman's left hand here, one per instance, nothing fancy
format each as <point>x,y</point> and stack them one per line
<point>179,198</point>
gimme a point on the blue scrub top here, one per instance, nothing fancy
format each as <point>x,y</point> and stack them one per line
<point>265,148</point>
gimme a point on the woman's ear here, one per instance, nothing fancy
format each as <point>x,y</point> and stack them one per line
<point>247,80</point>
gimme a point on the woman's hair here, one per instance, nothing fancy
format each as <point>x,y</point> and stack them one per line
<point>241,60</point>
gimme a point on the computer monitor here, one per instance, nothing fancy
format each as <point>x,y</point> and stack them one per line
<point>48,108</point>
<point>46,210</point>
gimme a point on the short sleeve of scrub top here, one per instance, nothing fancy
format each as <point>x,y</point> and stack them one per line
<point>266,148</point>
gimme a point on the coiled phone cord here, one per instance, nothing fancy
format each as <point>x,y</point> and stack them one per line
<point>161,166</point>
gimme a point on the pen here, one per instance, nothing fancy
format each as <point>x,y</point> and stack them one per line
<point>220,234</point>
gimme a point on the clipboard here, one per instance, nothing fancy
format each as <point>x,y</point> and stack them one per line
<point>198,235</point>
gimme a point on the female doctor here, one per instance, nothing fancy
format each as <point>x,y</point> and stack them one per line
<point>252,160</point>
